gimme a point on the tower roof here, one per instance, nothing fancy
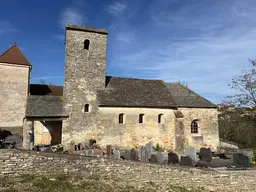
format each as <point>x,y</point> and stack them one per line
<point>88,29</point>
<point>13,55</point>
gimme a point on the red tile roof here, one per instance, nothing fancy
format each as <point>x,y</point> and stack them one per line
<point>13,55</point>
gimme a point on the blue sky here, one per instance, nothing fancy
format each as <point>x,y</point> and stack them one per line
<point>203,43</point>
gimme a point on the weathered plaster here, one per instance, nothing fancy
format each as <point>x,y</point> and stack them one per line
<point>14,80</point>
<point>130,134</point>
<point>208,127</point>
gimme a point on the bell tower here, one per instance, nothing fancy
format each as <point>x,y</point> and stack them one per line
<point>85,68</point>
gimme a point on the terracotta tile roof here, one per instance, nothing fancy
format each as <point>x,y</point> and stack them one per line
<point>13,55</point>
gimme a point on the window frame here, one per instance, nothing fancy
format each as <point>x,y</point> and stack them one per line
<point>194,127</point>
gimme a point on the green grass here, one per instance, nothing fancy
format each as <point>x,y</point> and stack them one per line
<point>174,188</point>
<point>67,183</point>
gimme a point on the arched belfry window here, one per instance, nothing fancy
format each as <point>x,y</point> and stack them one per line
<point>86,44</point>
<point>160,118</point>
<point>86,108</point>
<point>194,126</point>
<point>121,118</point>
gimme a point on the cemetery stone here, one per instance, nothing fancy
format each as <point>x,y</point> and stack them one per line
<point>241,161</point>
<point>109,148</point>
<point>134,155</point>
<point>205,154</point>
<point>153,158</point>
<point>149,147</point>
<point>191,152</point>
<point>144,154</point>
<point>116,154</point>
<point>203,163</point>
<point>173,158</point>
<point>90,152</point>
<point>160,157</point>
<point>186,160</point>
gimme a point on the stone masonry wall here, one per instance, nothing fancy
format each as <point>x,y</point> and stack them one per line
<point>84,75</point>
<point>133,134</point>
<point>13,96</point>
<point>208,131</point>
<point>17,162</point>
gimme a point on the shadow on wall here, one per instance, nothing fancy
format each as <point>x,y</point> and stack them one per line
<point>4,134</point>
<point>53,135</point>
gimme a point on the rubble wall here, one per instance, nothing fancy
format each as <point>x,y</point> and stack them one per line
<point>17,162</point>
<point>208,132</point>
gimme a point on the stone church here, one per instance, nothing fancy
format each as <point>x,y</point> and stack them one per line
<point>93,107</point>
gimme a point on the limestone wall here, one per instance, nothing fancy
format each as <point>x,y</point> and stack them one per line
<point>158,177</point>
<point>134,134</point>
<point>14,81</point>
<point>84,75</point>
<point>208,132</point>
<point>131,133</point>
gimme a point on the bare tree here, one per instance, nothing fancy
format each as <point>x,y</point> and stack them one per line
<point>42,81</point>
<point>239,124</point>
<point>245,84</point>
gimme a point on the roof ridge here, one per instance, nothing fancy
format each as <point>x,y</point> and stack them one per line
<point>48,85</point>
<point>8,49</point>
<point>192,94</point>
<point>136,78</point>
<point>13,55</point>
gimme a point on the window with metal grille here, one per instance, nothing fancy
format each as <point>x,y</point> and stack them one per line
<point>194,126</point>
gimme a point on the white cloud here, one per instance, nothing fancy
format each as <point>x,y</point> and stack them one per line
<point>205,46</point>
<point>116,8</point>
<point>6,27</point>
<point>71,16</point>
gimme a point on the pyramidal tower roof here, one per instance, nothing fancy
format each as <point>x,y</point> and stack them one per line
<point>13,55</point>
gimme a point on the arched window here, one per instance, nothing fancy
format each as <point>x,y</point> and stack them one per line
<point>141,118</point>
<point>121,118</point>
<point>86,108</point>
<point>194,126</point>
<point>86,44</point>
<point>160,118</point>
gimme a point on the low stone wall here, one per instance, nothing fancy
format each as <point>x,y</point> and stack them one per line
<point>18,162</point>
